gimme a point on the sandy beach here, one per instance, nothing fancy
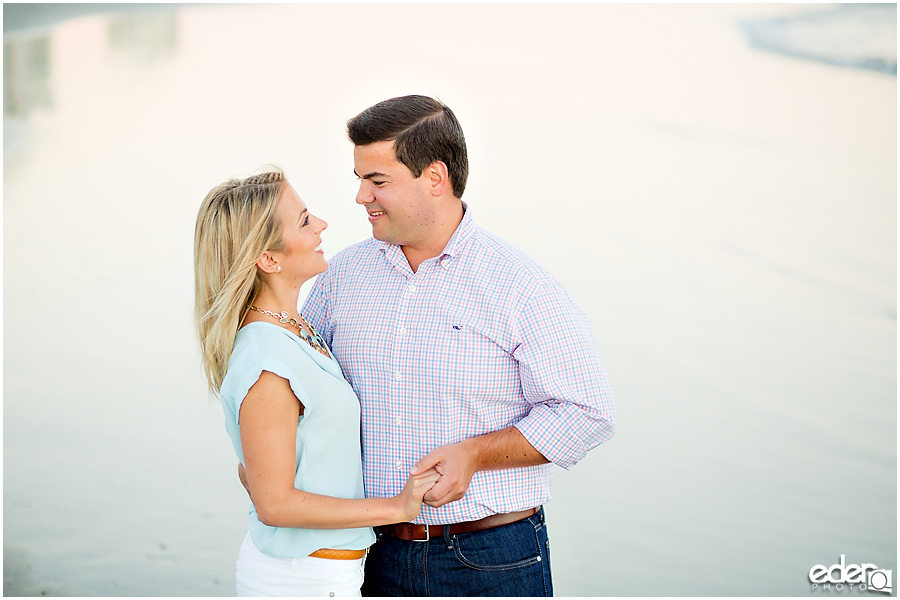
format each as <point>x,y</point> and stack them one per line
<point>725,214</point>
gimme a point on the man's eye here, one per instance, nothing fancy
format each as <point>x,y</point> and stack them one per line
<point>378,183</point>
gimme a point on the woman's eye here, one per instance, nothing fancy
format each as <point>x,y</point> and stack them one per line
<point>305,221</point>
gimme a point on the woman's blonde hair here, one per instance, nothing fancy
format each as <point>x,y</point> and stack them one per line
<point>235,226</point>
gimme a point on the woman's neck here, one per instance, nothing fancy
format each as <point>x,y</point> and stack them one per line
<point>272,299</point>
<point>277,302</point>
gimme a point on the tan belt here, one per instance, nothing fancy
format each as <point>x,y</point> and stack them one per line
<point>335,554</point>
<point>413,532</point>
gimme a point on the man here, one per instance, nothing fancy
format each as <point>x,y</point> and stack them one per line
<point>466,356</point>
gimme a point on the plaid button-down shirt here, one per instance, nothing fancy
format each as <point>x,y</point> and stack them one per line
<point>477,339</point>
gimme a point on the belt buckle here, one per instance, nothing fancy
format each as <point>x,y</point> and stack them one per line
<point>427,534</point>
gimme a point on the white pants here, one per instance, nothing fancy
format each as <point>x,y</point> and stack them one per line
<point>259,574</point>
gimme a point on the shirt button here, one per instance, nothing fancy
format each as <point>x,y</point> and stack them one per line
<point>402,331</point>
<point>399,465</point>
<point>398,376</point>
<point>411,288</point>
<point>398,421</point>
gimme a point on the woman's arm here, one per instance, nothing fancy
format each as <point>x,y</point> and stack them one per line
<point>268,424</point>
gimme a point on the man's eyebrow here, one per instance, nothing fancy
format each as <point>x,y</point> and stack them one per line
<point>370,175</point>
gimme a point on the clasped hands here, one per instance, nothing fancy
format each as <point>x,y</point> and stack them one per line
<point>455,464</point>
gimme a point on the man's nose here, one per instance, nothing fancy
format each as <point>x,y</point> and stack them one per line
<point>363,196</point>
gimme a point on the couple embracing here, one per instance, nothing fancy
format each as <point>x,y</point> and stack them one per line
<point>395,436</point>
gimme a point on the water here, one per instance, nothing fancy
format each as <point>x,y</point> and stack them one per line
<point>853,35</point>
<point>725,215</point>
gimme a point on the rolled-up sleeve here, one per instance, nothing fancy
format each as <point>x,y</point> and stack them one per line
<point>563,380</point>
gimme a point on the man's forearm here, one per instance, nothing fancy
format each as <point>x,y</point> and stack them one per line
<point>503,449</point>
<point>457,463</point>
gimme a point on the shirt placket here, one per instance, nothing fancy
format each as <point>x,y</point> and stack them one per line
<point>403,376</point>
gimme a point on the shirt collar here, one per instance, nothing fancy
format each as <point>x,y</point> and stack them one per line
<point>462,234</point>
<point>457,241</point>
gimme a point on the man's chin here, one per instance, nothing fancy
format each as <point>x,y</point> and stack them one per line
<point>381,235</point>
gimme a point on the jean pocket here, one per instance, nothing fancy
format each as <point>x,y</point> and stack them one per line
<point>499,553</point>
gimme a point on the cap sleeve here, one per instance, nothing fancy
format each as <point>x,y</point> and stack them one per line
<point>257,350</point>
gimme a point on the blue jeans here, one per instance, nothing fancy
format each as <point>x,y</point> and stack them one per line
<point>510,560</point>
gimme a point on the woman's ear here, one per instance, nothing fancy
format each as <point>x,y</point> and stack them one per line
<point>267,263</point>
<point>439,178</point>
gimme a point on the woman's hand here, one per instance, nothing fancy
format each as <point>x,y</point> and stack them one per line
<point>410,497</point>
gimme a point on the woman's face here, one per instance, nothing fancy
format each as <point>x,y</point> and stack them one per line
<point>301,258</point>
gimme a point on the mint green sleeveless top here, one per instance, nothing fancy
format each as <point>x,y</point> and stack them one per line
<point>328,440</point>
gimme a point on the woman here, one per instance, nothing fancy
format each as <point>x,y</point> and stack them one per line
<point>292,418</point>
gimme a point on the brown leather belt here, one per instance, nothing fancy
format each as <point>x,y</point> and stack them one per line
<point>414,532</point>
<point>336,554</point>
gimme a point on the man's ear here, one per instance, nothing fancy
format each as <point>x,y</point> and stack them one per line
<point>438,178</point>
<point>267,263</point>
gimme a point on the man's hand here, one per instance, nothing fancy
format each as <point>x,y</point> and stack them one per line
<point>456,464</point>
<point>242,475</point>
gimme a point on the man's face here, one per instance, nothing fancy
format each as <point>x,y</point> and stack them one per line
<point>397,202</point>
